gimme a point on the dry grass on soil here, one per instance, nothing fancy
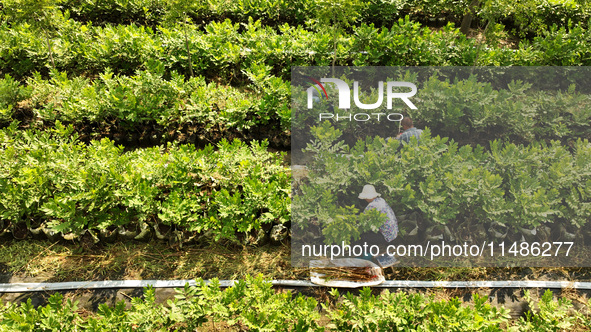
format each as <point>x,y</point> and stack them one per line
<point>47,261</point>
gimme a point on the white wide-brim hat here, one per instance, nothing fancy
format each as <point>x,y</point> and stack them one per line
<point>368,192</point>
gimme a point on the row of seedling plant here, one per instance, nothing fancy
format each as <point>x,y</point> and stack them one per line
<point>523,18</point>
<point>252,304</point>
<point>226,48</point>
<point>52,183</point>
<point>115,104</point>
<point>520,104</point>
<point>467,109</point>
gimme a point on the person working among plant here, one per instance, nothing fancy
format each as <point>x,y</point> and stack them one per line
<point>388,231</point>
<point>409,131</point>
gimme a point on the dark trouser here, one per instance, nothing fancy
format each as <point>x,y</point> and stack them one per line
<point>371,239</point>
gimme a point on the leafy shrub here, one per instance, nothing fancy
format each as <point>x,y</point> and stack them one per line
<point>55,316</point>
<point>551,316</point>
<point>11,93</point>
<point>401,311</point>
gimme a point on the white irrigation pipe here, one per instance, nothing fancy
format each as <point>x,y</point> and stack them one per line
<point>56,286</point>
